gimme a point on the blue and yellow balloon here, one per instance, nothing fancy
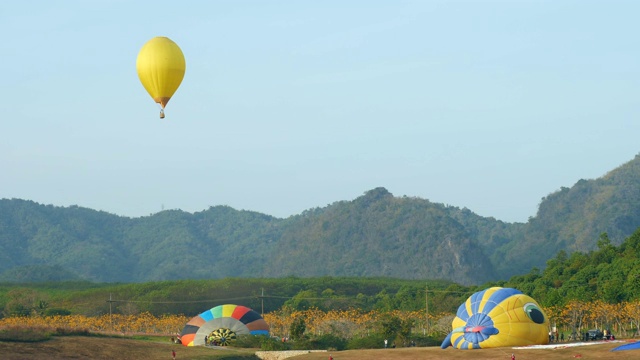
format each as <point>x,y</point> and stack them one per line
<point>498,317</point>
<point>161,66</point>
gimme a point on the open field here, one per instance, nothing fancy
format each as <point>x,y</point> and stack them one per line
<point>82,347</point>
<point>103,348</point>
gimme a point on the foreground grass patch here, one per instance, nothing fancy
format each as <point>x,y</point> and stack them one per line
<point>37,333</point>
<point>24,334</point>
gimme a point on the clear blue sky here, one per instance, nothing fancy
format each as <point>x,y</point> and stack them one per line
<point>291,105</point>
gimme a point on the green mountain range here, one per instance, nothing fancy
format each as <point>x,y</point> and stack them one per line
<point>373,235</point>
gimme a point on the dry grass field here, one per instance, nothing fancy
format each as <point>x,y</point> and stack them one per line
<point>89,347</point>
<point>434,353</point>
<point>82,347</point>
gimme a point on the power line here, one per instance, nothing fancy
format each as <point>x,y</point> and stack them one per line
<point>179,302</point>
<point>261,297</point>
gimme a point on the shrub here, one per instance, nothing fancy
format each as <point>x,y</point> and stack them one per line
<point>422,340</point>
<point>373,341</point>
<point>297,328</point>
<point>52,312</point>
<point>323,342</point>
<point>67,331</point>
<point>271,344</point>
<point>250,341</point>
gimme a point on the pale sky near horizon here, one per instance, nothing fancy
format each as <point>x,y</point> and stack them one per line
<point>291,105</point>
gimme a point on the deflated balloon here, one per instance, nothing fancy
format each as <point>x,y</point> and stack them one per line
<point>222,324</point>
<point>498,317</point>
<point>161,68</point>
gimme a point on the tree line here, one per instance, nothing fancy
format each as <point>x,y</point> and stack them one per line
<point>608,274</point>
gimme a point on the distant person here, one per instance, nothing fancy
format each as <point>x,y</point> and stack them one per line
<point>330,357</point>
<point>562,337</point>
<point>513,357</point>
<point>173,354</point>
<point>385,343</point>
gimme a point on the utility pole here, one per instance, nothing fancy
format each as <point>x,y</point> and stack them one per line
<point>110,319</point>
<point>426,302</point>
<point>262,303</point>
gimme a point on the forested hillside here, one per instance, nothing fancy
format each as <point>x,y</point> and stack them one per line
<point>375,234</point>
<point>607,275</point>
<point>572,219</point>
<point>380,235</point>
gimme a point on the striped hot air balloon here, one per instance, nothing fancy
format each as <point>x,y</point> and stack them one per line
<point>498,317</point>
<point>223,324</point>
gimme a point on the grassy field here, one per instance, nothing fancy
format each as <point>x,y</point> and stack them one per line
<point>89,347</point>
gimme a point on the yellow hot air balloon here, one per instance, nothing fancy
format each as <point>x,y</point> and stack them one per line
<point>498,317</point>
<point>161,68</point>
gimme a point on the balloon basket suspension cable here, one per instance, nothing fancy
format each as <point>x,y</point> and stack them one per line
<point>161,113</point>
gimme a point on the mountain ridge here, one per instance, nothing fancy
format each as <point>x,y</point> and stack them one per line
<point>376,234</point>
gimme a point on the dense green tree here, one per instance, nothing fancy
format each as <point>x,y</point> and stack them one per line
<point>384,301</point>
<point>297,328</point>
<point>404,332</point>
<point>303,300</point>
<point>611,284</point>
<point>391,327</point>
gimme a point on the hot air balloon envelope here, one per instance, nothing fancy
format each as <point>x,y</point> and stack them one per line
<point>161,66</point>
<point>632,346</point>
<point>222,324</point>
<point>498,317</point>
